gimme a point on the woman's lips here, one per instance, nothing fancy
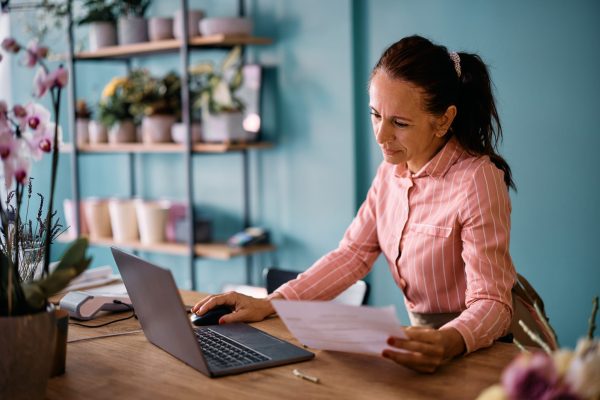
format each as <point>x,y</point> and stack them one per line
<point>390,152</point>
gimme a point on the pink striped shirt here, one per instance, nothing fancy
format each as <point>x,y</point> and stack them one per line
<point>445,234</point>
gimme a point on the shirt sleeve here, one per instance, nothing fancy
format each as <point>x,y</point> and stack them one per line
<point>351,261</point>
<point>489,270</point>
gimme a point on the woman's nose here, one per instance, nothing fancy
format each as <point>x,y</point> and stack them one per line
<point>383,133</point>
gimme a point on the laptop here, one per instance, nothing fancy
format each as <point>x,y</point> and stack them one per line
<point>214,350</point>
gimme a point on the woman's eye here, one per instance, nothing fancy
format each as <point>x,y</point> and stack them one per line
<point>374,115</point>
<point>400,124</point>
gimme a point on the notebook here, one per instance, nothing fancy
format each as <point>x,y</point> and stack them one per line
<point>215,350</point>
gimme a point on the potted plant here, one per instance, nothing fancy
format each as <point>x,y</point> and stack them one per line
<point>114,111</point>
<point>82,121</point>
<point>132,26</point>
<point>27,321</point>
<point>156,102</point>
<point>222,111</point>
<point>100,16</point>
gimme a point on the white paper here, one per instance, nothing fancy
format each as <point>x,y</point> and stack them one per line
<point>325,325</point>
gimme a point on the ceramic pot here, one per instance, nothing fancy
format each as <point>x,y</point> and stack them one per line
<point>179,132</point>
<point>59,361</point>
<point>102,34</point>
<point>226,26</point>
<point>177,213</point>
<point>28,344</point>
<point>82,129</point>
<point>223,127</point>
<point>97,132</point>
<point>132,30</point>
<point>194,17</point>
<point>157,128</point>
<point>122,132</point>
<point>152,220</point>
<point>98,218</point>
<point>160,28</point>
<point>123,220</point>
<point>69,208</point>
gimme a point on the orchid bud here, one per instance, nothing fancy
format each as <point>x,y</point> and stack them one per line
<point>39,83</point>
<point>19,111</point>
<point>42,52</point>
<point>5,151</point>
<point>33,122</point>
<point>45,145</point>
<point>21,175</point>
<point>11,45</point>
<point>58,78</point>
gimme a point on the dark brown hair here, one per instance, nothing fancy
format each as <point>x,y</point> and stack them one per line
<point>477,126</point>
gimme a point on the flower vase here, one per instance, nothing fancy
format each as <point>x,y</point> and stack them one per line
<point>27,344</point>
<point>157,128</point>
<point>122,132</point>
<point>97,133</point>
<point>102,34</point>
<point>132,30</point>
<point>223,127</point>
<point>160,28</point>
<point>98,218</point>
<point>152,220</point>
<point>69,208</point>
<point>123,220</point>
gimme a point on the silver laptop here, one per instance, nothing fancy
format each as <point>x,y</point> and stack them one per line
<point>215,350</point>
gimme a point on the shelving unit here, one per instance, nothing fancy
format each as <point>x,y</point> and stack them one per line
<point>125,53</point>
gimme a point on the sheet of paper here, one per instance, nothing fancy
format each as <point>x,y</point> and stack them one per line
<point>325,325</point>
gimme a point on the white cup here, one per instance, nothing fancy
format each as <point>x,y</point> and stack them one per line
<point>123,219</point>
<point>152,220</point>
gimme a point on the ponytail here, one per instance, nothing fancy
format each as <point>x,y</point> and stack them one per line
<point>446,78</point>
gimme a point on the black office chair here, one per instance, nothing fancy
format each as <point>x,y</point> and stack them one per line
<point>356,294</point>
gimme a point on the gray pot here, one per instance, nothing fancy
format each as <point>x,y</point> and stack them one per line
<point>224,127</point>
<point>27,344</point>
<point>122,132</point>
<point>102,34</point>
<point>160,28</point>
<point>157,128</point>
<point>97,132</point>
<point>132,30</point>
<point>194,17</point>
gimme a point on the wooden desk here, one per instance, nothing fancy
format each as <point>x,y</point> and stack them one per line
<point>129,367</point>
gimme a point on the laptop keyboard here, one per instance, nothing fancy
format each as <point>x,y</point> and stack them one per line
<point>222,352</point>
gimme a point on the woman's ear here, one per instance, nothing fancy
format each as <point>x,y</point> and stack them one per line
<point>445,120</point>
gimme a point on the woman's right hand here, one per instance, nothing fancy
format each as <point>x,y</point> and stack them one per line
<point>245,308</point>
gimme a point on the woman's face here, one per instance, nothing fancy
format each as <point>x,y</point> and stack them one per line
<point>405,132</point>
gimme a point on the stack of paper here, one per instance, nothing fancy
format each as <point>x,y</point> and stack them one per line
<point>92,277</point>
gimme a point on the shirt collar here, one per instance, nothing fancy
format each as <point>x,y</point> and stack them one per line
<point>439,164</point>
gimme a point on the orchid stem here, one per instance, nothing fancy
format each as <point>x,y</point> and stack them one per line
<point>592,321</point>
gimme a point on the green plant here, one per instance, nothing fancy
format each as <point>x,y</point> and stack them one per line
<point>132,8</point>
<point>149,95</point>
<point>214,90</point>
<point>98,11</point>
<point>114,105</point>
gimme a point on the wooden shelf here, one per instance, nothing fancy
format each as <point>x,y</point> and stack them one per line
<point>165,147</point>
<point>218,251</point>
<point>171,45</point>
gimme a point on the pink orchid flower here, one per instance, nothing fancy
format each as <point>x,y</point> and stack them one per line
<point>7,143</point>
<point>34,53</point>
<point>11,45</point>
<point>17,164</point>
<point>43,142</point>
<point>37,117</point>
<point>42,81</point>
<point>39,83</point>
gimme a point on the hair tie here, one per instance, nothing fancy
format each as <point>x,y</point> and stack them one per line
<point>456,60</point>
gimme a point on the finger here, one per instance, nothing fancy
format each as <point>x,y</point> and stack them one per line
<point>421,334</point>
<point>243,315</point>
<point>435,350</point>
<point>228,299</point>
<point>417,361</point>
<point>200,303</point>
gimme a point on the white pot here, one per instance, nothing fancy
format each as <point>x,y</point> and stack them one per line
<point>160,28</point>
<point>194,17</point>
<point>98,218</point>
<point>97,132</point>
<point>157,128</point>
<point>122,132</point>
<point>123,220</point>
<point>132,30</point>
<point>226,26</point>
<point>102,34</point>
<point>69,208</point>
<point>83,133</point>
<point>179,133</point>
<point>152,220</point>
<point>223,127</point>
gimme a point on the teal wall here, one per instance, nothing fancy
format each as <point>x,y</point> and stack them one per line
<point>543,58</point>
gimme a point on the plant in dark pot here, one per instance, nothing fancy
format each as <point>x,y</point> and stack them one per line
<point>132,26</point>
<point>114,111</point>
<point>28,323</point>
<point>82,122</point>
<point>100,15</point>
<point>156,102</point>
<point>222,110</point>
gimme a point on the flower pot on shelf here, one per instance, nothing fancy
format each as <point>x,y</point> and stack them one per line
<point>152,220</point>
<point>194,17</point>
<point>98,218</point>
<point>157,128</point>
<point>122,132</point>
<point>123,220</point>
<point>132,30</point>
<point>69,208</point>
<point>97,132</point>
<point>160,28</point>
<point>82,129</point>
<point>102,34</point>
<point>28,344</point>
<point>226,26</point>
<point>224,127</point>
<point>179,132</point>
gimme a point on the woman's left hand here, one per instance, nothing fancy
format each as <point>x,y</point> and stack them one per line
<point>425,349</point>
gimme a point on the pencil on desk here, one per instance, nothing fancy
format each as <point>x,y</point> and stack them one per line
<point>302,375</point>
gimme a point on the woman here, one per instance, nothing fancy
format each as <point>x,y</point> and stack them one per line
<point>438,209</point>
